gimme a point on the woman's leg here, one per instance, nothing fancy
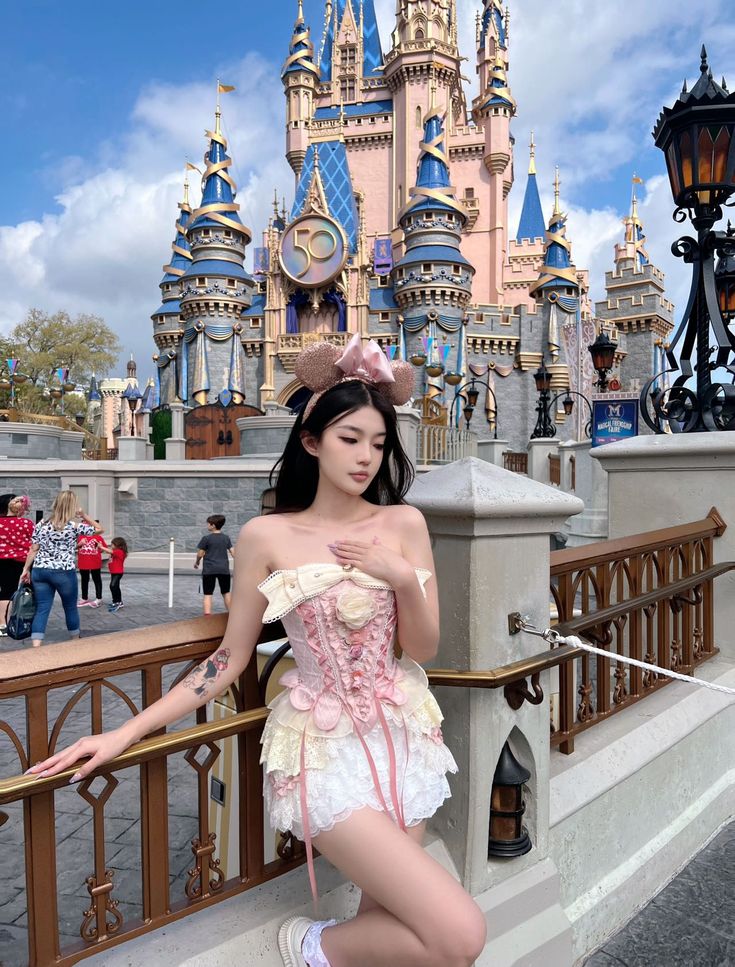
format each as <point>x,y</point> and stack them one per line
<point>97,578</point>
<point>417,834</point>
<point>85,584</point>
<point>422,917</point>
<point>68,588</point>
<point>44,592</point>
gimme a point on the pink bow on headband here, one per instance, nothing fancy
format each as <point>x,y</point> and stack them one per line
<point>369,363</point>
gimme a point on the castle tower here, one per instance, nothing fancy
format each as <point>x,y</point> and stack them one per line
<point>636,306</point>
<point>350,54</point>
<point>432,282</point>
<point>493,110</point>
<point>300,77</point>
<point>216,289</point>
<point>526,252</point>
<point>424,53</point>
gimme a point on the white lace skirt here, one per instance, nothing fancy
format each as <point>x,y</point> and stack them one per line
<point>339,779</point>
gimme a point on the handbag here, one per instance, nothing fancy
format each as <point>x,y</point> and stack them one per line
<point>21,611</point>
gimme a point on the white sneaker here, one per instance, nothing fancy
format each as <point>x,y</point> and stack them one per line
<point>290,937</point>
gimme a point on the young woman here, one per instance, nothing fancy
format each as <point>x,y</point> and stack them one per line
<point>15,542</point>
<point>353,754</point>
<point>53,558</point>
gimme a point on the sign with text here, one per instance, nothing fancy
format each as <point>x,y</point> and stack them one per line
<point>614,420</point>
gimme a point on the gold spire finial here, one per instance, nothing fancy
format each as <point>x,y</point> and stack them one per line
<point>432,98</point>
<point>275,202</point>
<point>532,161</point>
<point>300,14</point>
<point>557,187</point>
<point>218,111</point>
<point>186,188</point>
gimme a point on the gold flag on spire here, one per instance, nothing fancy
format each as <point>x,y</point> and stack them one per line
<point>637,180</point>
<point>191,167</point>
<point>225,88</point>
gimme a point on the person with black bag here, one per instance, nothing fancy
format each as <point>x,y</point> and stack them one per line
<point>53,558</point>
<point>16,532</point>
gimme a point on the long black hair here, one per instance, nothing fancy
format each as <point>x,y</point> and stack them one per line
<point>298,471</point>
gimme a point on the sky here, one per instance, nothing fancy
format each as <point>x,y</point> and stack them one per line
<point>101,104</point>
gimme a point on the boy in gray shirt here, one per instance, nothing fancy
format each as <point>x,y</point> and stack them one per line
<point>213,549</point>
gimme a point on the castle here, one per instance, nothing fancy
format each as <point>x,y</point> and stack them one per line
<point>399,230</point>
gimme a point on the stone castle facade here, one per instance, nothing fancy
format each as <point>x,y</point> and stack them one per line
<point>398,230</point>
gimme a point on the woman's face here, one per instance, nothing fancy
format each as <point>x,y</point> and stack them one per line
<point>350,450</point>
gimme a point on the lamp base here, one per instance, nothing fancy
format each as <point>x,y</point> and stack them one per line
<point>508,848</point>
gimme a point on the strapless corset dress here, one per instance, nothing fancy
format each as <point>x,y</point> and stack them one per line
<point>354,726</point>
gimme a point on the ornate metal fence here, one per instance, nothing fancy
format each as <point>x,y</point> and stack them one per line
<point>67,691</point>
<point>445,444</point>
<point>516,462</point>
<point>676,631</point>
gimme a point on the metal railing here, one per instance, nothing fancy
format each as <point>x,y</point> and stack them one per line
<point>674,629</point>
<point>444,444</point>
<point>555,470</point>
<point>516,462</point>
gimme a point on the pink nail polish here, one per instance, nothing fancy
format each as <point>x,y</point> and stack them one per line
<point>76,777</point>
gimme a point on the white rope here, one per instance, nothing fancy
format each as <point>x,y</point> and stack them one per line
<point>611,656</point>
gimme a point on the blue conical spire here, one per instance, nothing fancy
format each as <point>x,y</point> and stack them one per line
<point>181,257</point>
<point>493,21</point>
<point>433,188</point>
<point>532,224</point>
<point>558,271</point>
<point>218,207</point>
<point>364,13</point>
<point>301,50</point>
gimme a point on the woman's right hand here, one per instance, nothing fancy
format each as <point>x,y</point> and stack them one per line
<point>25,577</point>
<point>97,749</point>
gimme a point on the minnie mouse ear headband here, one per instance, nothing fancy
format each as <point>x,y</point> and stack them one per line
<point>322,366</point>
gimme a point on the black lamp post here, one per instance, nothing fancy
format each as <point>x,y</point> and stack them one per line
<point>602,351</point>
<point>725,282</point>
<point>133,395</point>
<point>697,137</point>
<point>544,427</point>
<point>508,836</point>
<point>471,394</point>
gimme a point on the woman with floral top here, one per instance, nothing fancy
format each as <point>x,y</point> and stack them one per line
<point>15,542</point>
<point>53,557</point>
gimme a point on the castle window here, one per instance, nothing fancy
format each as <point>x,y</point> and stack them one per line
<point>255,323</point>
<point>456,269</point>
<point>428,216</point>
<point>383,280</point>
<point>347,89</point>
<point>348,57</point>
<point>385,316</point>
<point>201,280</point>
<point>206,231</point>
<point>479,317</point>
<point>469,193</point>
<point>419,34</point>
<point>228,233</point>
<point>231,283</point>
<point>426,268</point>
<point>419,122</point>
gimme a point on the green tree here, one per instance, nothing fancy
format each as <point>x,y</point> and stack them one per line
<point>84,344</point>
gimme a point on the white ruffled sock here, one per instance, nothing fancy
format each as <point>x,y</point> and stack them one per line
<point>311,947</point>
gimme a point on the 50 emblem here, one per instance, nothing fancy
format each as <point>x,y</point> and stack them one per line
<point>313,250</point>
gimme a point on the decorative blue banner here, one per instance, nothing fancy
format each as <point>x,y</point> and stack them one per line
<point>260,261</point>
<point>383,256</point>
<point>614,420</point>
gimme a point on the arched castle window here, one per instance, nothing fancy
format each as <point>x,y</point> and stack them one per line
<point>418,34</point>
<point>419,122</point>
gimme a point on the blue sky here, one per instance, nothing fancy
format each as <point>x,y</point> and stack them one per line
<point>101,103</point>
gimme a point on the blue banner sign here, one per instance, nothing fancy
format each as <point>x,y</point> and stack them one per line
<point>614,420</point>
<point>383,256</point>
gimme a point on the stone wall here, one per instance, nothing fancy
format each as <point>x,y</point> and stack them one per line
<point>41,490</point>
<point>35,441</point>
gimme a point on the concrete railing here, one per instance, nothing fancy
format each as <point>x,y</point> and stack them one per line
<point>444,444</point>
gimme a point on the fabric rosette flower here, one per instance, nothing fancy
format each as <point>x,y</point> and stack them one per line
<point>355,607</point>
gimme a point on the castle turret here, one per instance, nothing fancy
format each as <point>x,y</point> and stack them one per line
<point>493,110</point>
<point>300,77</point>
<point>216,289</point>
<point>558,273</point>
<point>636,307</point>
<point>433,280</point>
<point>531,226</point>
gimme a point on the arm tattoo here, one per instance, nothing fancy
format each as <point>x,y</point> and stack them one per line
<point>202,678</point>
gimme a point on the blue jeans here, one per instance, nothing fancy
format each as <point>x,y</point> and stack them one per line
<point>46,582</point>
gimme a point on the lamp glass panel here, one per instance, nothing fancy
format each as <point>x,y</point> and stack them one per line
<point>673,170</point>
<point>705,157</point>
<point>687,162</point>
<point>721,150</point>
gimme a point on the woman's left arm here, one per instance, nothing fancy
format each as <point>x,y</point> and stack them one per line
<point>418,615</point>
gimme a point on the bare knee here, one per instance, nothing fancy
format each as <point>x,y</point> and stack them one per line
<point>460,939</point>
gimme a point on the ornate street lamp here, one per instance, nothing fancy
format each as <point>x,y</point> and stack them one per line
<point>697,137</point>
<point>133,396</point>
<point>508,836</point>
<point>725,282</point>
<point>57,391</point>
<point>602,351</point>
<point>544,427</point>
<point>471,394</point>
<point>10,377</point>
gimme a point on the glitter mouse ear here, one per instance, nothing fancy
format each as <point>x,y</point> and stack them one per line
<point>315,366</point>
<point>403,388</point>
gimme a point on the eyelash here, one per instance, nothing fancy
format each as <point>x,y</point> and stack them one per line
<point>378,446</point>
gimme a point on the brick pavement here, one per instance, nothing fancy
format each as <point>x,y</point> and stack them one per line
<point>146,599</point>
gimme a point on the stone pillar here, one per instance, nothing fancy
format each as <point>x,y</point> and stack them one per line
<point>176,443</point>
<point>538,458</point>
<point>492,451</point>
<point>660,481</point>
<point>490,530</point>
<point>409,427</point>
<point>264,437</point>
<point>133,448</point>
<point>590,485</point>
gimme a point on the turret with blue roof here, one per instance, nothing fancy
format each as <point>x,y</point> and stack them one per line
<point>433,279</point>
<point>216,289</point>
<point>531,225</point>
<point>558,273</point>
<point>366,23</point>
<point>167,319</point>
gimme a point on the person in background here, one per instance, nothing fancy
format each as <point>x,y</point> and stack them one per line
<point>212,549</point>
<point>53,560</point>
<point>15,542</point>
<point>117,553</point>
<point>89,560</point>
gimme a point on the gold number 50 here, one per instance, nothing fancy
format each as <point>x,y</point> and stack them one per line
<point>308,249</point>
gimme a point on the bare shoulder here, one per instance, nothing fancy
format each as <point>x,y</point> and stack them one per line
<point>260,529</point>
<point>408,520</point>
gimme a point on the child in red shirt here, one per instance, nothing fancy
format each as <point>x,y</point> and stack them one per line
<point>89,561</point>
<point>118,553</point>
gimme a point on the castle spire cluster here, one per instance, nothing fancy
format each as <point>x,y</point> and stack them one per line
<point>398,228</point>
